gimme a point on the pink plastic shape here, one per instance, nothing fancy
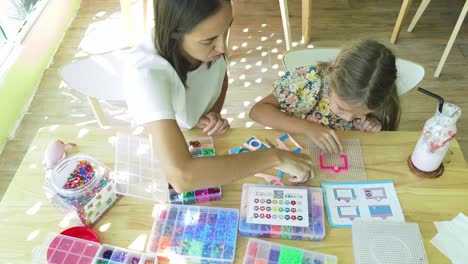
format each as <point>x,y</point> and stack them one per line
<point>335,169</point>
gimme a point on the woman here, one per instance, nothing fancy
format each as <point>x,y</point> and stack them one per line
<point>177,79</point>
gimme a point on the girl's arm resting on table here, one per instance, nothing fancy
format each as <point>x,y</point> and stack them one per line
<point>267,112</point>
<point>185,173</point>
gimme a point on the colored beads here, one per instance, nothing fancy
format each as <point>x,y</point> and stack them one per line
<point>81,175</point>
<point>107,254</point>
<point>119,256</point>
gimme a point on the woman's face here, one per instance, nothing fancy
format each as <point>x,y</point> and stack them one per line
<point>207,41</point>
<point>347,111</point>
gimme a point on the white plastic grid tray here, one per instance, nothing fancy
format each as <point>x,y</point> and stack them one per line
<point>377,242</point>
<point>137,173</point>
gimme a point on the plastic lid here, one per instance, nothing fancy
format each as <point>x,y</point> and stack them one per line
<point>81,232</point>
<point>137,173</point>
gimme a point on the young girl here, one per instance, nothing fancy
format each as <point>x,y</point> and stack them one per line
<point>356,91</point>
<point>176,78</point>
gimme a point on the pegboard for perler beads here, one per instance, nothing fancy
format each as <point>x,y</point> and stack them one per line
<point>346,166</point>
<point>259,251</point>
<point>315,230</point>
<point>378,242</point>
<point>186,234</point>
<point>137,173</point>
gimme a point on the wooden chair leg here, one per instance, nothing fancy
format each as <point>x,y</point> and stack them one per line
<point>98,112</point>
<point>306,20</point>
<point>126,7</point>
<point>418,14</point>
<point>145,14</point>
<point>401,18</point>
<point>452,39</point>
<point>285,18</point>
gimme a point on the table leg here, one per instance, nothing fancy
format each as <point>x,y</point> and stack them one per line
<point>306,20</point>
<point>285,19</point>
<point>401,18</point>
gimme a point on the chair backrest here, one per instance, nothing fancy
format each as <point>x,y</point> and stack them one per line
<point>98,76</point>
<point>409,73</point>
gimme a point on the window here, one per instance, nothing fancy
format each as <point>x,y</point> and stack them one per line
<point>17,17</point>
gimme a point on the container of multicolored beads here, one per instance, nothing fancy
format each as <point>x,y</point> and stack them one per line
<point>82,184</point>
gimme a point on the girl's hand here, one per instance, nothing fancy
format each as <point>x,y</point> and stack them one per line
<point>325,138</point>
<point>212,123</point>
<point>297,165</point>
<point>370,124</point>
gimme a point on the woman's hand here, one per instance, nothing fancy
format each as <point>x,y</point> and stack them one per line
<point>370,124</point>
<point>212,123</point>
<point>297,165</point>
<point>325,138</point>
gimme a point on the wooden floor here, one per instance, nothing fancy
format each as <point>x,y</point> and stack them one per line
<point>257,43</point>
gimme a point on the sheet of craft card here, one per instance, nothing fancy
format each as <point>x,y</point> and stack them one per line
<point>278,206</point>
<point>347,201</point>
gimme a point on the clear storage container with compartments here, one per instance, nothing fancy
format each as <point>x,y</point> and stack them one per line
<point>263,252</point>
<point>87,197</point>
<point>138,174</point>
<point>194,234</point>
<point>315,230</point>
<point>62,249</point>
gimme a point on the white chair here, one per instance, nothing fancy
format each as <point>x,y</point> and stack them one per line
<point>99,77</point>
<point>409,73</point>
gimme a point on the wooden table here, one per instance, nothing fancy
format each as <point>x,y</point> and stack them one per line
<point>26,216</point>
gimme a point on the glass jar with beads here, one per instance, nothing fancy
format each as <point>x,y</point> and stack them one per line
<point>81,185</point>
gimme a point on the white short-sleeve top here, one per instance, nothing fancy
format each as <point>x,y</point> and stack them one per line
<point>154,91</point>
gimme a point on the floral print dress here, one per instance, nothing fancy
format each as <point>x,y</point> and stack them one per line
<point>303,92</point>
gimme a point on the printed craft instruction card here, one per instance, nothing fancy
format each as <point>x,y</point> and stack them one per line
<point>346,201</point>
<point>278,206</point>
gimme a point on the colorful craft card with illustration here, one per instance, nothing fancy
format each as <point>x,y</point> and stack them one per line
<point>347,201</point>
<point>278,206</point>
<point>346,166</point>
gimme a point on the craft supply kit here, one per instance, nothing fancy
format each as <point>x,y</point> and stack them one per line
<point>263,252</point>
<point>282,212</point>
<point>194,234</point>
